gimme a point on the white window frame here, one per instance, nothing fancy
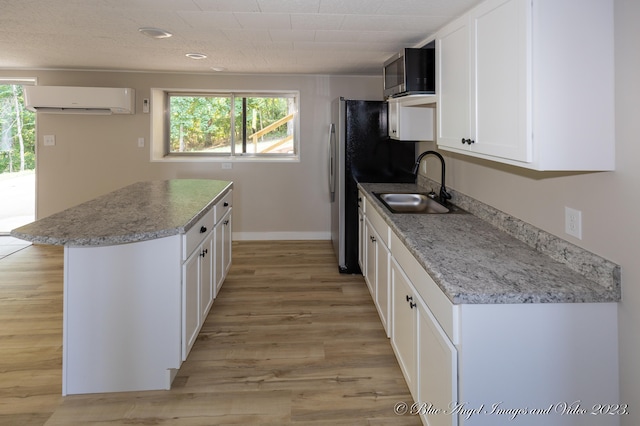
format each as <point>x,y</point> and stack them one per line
<point>160,128</point>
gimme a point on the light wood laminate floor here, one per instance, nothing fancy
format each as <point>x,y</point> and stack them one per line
<point>289,340</point>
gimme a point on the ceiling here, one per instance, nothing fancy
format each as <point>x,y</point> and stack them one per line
<point>240,36</point>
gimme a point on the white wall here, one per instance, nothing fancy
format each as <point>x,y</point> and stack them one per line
<point>94,155</point>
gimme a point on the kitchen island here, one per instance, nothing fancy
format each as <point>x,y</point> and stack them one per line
<point>142,266</point>
<point>492,320</point>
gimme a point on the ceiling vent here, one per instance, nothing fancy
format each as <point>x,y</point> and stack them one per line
<point>79,100</point>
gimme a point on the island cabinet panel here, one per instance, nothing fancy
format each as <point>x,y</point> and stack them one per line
<point>122,316</point>
<point>221,260</point>
<point>138,280</point>
<point>197,279</point>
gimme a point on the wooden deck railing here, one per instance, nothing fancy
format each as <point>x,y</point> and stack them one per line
<point>255,136</point>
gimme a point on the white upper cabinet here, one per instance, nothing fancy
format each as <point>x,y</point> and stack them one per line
<point>411,118</point>
<point>529,83</point>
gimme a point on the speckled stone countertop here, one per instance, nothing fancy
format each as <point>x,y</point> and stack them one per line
<point>489,257</point>
<point>138,212</point>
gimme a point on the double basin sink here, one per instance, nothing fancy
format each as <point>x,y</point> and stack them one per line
<point>415,203</point>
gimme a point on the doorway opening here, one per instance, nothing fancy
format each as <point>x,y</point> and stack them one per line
<point>17,156</point>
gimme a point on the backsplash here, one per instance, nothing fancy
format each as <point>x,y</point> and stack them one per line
<point>592,266</point>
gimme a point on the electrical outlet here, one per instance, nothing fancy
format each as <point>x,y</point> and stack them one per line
<point>49,140</point>
<point>226,166</point>
<point>573,222</point>
<point>140,142</point>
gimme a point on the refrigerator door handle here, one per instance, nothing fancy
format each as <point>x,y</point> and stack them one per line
<point>332,161</point>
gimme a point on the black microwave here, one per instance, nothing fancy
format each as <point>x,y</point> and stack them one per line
<point>410,72</point>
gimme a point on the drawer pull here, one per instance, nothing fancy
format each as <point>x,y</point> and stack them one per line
<point>409,298</point>
<point>203,229</point>
<point>412,305</point>
<point>225,204</point>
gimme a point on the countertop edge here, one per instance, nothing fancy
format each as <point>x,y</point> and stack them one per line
<point>602,293</point>
<point>124,238</point>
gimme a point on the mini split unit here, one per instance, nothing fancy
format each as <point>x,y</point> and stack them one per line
<point>79,100</point>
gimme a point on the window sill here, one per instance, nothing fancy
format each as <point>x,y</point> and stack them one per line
<point>222,159</point>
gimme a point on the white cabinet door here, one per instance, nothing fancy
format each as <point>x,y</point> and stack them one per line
<point>190,302</point>
<point>218,265</point>
<point>403,325</point>
<point>500,79</point>
<point>511,84</point>
<point>362,243</point>
<point>453,84</point>
<point>222,260</point>
<point>408,122</point>
<point>484,81</point>
<point>227,227</point>
<point>383,284</point>
<point>437,368</point>
<point>372,258</point>
<point>206,276</point>
<point>392,120</point>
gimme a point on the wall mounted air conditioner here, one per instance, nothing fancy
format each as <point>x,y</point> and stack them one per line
<point>79,100</point>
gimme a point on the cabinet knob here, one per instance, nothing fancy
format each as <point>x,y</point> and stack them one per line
<point>409,298</point>
<point>225,204</point>
<point>412,305</point>
<point>226,222</point>
<point>203,229</point>
<point>204,252</point>
<point>372,238</point>
<point>469,141</point>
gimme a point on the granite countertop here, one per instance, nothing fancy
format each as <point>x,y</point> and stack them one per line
<point>138,212</point>
<point>473,261</point>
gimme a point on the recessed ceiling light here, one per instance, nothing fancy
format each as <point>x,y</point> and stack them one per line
<point>196,55</point>
<point>155,32</point>
<point>219,68</point>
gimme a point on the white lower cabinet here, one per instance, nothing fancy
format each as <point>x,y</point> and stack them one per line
<point>427,358</point>
<point>133,311</point>
<point>370,270</point>
<point>222,261</point>
<point>376,263</point>
<point>437,369</point>
<point>404,326</point>
<point>208,258</point>
<point>197,292</point>
<point>483,364</point>
<point>362,242</point>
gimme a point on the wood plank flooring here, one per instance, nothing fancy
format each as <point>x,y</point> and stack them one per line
<point>289,340</point>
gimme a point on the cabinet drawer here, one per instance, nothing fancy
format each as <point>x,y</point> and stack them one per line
<point>379,225</point>
<point>446,313</point>
<point>222,206</point>
<point>194,236</point>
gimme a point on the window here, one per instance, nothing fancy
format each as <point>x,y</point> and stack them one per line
<point>255,125</point>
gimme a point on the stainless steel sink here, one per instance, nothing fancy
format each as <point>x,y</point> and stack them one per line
<point>414,202</point>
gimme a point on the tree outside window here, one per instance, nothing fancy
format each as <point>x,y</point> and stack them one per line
<point>17,127</point>
<point>232,124</point>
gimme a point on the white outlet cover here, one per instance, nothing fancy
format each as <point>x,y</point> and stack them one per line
<point>573,222</point>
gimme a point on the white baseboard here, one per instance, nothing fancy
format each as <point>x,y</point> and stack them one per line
<point>267,236</point>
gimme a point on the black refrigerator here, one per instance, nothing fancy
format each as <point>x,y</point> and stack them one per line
<point>360,151</point>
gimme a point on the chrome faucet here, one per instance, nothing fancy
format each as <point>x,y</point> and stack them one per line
<point>444,195</point>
